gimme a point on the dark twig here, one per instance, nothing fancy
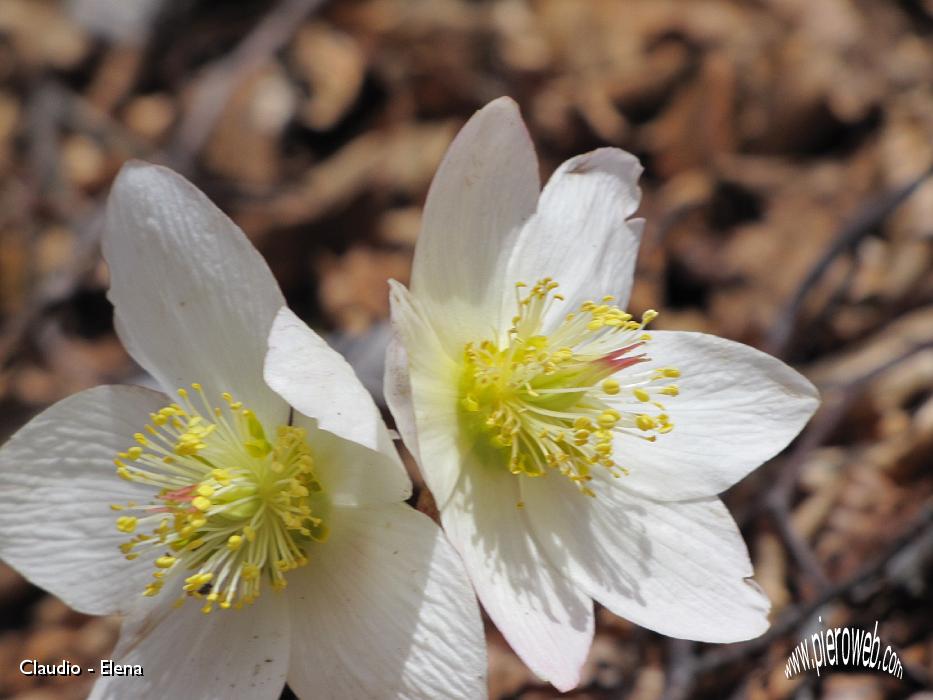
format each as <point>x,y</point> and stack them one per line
<point>214,89</point>
<point>219,80</point>
<point>777,501</point>
<point>836,401</point>
<point>865,221</point>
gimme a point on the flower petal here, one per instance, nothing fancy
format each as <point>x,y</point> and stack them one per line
<point>580,235</point>
<point>397,390</point>
<point>485,188</point>
<point>194,301</point>
<point>676,568</point>
<point>311,376</point>
<point>187,654</point>
<point>432,385</point>
<point>57,482</point>
<point>546,619</point>
<point>737,408</point>
<point>385,612</point>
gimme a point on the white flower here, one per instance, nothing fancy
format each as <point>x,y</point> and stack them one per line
<point>574,456</point>
<point>266,470</point>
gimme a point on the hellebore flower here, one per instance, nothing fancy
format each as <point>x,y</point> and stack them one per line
<point>260,508</point>
<point>573,454</point>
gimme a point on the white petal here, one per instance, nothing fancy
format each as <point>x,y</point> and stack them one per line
<point>194,301</point>
<point>312,377</point>
<point>57,482</point>
<point>385,612</point>
<point>737,408</point>
<point>484,190</point>
<point>226,655</point>
<point>546,619</point>
<point>676,568</point>
<point>432,380</point>
<point>580,235</point>
<point>397,390</point>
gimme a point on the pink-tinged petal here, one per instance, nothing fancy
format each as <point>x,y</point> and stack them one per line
<point>193,300</point>
<point>484,190</point>
<point>361,462</point>
<point>737,408</point>
<point>57,482</point>
<point>581,235</point>
<point>546,618</point>
<point>384,610</point>
<point>676,568</point>
<point>187,654</point>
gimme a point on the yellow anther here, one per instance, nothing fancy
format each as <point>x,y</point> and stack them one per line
<point>234,542</point>
<point>642,395</point>
<point>165,562</point>
<point>611,387</point>
<point>201,503</point>
<point>672,390</point>
<point>607,419</point>
<point>205,490</point>
<point>645,422</point>
<point>126,523</point>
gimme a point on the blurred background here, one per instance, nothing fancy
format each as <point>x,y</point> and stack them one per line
<point>787,145</point>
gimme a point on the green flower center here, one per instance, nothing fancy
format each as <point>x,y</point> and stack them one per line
<point>232,508</point>
<point>558,401</point>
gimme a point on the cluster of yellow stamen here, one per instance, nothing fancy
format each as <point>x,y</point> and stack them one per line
<point>231,508</point>
<point>560,401</point>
